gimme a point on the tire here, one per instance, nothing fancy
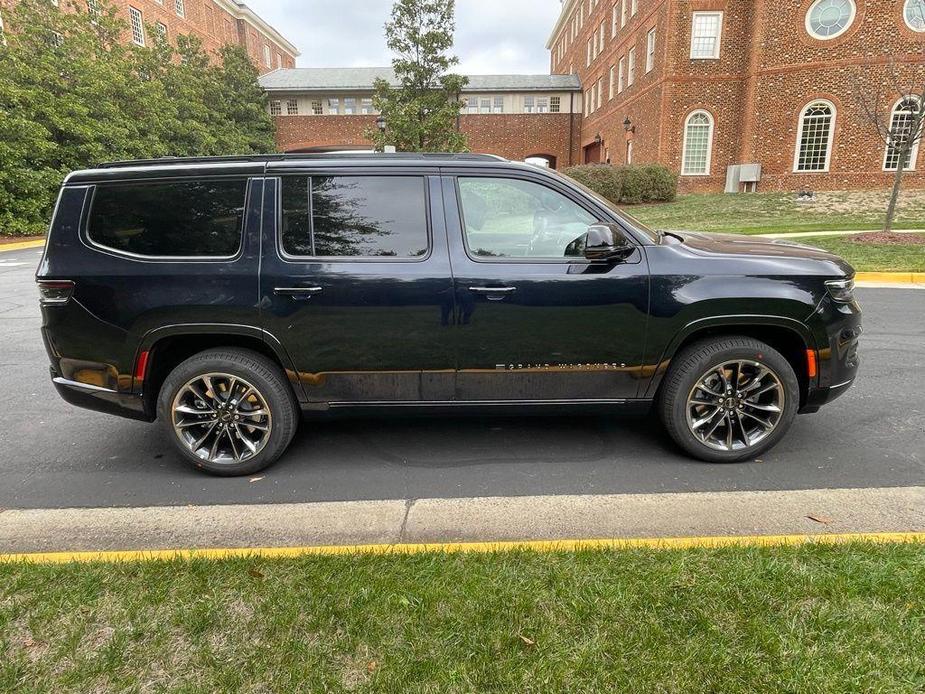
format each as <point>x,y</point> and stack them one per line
<point>248,415</point>
<point>695,376</point>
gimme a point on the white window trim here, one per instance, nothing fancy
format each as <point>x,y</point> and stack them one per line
<point>621,84</point>
<point>180,8</point>
<point>623,13</point>
<point>828,149</point>
<point>613,77</point>
<point>719,35</point>
<point>906,18</point>
<point>650,50</point>
<point>687,121</point>
<point>809,29</point>
<point>631,67</point>
<point>914,152</point>
<point>613,21</point>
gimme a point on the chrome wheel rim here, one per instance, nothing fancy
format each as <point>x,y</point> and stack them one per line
<point>221,419</point>
<point>735,405</point>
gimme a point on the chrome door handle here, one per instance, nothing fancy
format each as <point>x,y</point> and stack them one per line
<point>299,292</point>
<point>492,290</point>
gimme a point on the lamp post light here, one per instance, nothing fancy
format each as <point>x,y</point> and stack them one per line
<point>630,131</point>
<point>380,126</point>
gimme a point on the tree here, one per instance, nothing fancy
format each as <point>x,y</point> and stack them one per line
<point>73,95</point>
<point>896,117</point>
<point>421,112</point>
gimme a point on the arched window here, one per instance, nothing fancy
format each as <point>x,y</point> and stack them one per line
<point>914,14</point>
<point>827,19</point>
<point>698,144</point>
<point>814,138</point>
<point>901,122</point>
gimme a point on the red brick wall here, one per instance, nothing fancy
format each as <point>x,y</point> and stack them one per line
<point>769,69</point>
<point>514,136</point>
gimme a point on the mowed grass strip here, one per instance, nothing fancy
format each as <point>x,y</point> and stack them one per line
<point>873,257</point>
<point>770,213</point>
<point>812,618</point>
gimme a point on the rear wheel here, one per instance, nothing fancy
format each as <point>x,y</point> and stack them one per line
<point>228,411</point>
<point>729,399</point>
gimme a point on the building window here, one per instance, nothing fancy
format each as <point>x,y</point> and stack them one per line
<point>55,39</point>
<point>650,50</point>
<point>827,19</point>
<point>334,106</point>
<point>180,8</point>
<point>622,13</point>
<point>350,106</point>
<point>914,14</point>
<point>631,68</point>
<point>542,104</point>
<point>600,91</point>
<point>366,106</point>
<point>498,106</point>
<point>600,37</point>
<point>613,76</point>
<point>555,104</point>
<point>706,30</point>
<point>472,105</point>
<point>276,108</point>
<point>138,26</point>
<point>901,124</point>
<point>698,144</point>
<point>485,105</point>
<point>279,61</point>
<point>614,13</point>
<point>161,29</point>
<point>634,8</point>
<point>93,8</point>
<point>317,107</point>
<point>529,104</point>
<point>589,54</point>
<point>620,72</point>
<point>814,139</point>
<point>267,56</point>
<point>292,107</point>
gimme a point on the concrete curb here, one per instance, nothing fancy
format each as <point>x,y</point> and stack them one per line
<point>21,245</point>
<point>438,523</point>
<point>890,277</point>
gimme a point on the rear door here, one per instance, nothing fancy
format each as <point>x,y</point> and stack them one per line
<point>355,283</point>
<point>536,320</point>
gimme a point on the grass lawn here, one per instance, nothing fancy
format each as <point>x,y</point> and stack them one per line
<point>797,619</point>
<point>768,213</point>
<point>873,257</point>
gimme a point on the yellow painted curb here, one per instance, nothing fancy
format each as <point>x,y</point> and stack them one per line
<point>465,547</point>
<point>891,277</point>
<point>20,245</point>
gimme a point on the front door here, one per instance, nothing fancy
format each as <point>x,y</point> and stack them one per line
<point>356,285</point>
<point>535,320</point>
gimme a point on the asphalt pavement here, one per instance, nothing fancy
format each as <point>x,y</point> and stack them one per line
<point>53,455</point>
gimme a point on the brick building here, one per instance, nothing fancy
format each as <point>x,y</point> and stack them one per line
<point>216,22</point>
<point>705,85</point>
<point>515,116</point>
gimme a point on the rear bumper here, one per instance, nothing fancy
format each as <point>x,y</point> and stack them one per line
<point>100,399</point>
<point>839,358</point>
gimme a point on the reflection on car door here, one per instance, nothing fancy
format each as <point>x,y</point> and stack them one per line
<point>356,285</point>
<point>535,319</point>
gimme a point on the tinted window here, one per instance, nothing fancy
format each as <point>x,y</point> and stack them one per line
<point>509,218</point>
<point>182,218</point>
<point>355,216</point>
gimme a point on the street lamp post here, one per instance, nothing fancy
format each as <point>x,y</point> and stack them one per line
<point>380,125</point>
<point>630,130</point>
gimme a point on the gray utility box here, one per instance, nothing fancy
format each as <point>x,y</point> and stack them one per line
<point>742,177</point>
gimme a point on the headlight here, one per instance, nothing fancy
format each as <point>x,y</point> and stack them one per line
<point>841,290</point>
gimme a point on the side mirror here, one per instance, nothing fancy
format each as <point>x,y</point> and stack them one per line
<point>606,242</point>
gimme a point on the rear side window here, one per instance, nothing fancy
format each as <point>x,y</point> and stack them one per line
<point>175,219</point>
<point>354,216</point>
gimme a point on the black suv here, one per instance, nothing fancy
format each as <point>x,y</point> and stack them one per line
<point>223,296</point>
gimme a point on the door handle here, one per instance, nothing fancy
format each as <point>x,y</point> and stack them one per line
<point>298,292</point>
<point>492,290</point>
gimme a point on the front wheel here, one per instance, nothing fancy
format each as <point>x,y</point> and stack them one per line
<point>729,399</point>
<point>228,411</point>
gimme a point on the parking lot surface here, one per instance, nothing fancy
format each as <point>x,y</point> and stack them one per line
<point>54,455</point>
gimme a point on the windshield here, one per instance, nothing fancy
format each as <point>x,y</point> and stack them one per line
<point>628,219</point>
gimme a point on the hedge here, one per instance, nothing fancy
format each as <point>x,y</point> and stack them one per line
<point>629,185</point>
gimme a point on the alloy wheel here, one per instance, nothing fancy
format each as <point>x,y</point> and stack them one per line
<point>221,419</point>
<point>735,405</point>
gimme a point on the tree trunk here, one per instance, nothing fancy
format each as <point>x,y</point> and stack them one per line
<point>894,196</point>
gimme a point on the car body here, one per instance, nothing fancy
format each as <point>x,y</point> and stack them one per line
<point>424,281</point>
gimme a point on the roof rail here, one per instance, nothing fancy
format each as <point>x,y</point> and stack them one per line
<point>266,158</point>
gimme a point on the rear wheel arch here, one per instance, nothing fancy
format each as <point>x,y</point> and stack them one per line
<point>788,336</point>
<point>170,347</point>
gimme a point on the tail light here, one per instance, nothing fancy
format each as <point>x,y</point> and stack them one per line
<point>52,292</point>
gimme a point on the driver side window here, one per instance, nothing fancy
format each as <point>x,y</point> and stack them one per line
<point>510,218</point>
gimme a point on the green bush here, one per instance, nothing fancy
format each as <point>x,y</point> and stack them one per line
<point>628,185</point>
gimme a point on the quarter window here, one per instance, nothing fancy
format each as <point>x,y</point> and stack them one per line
<point>510,218</point>
<point>914,14</point>
<point>814,139</point>
<point>698,144</point>
<point>827,19</point>
<point>177,219</point>
<point>354,216</point>
<point>706,31</point>
<point>901,133</point>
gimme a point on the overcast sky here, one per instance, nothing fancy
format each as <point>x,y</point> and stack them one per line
<point>492,36</point>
